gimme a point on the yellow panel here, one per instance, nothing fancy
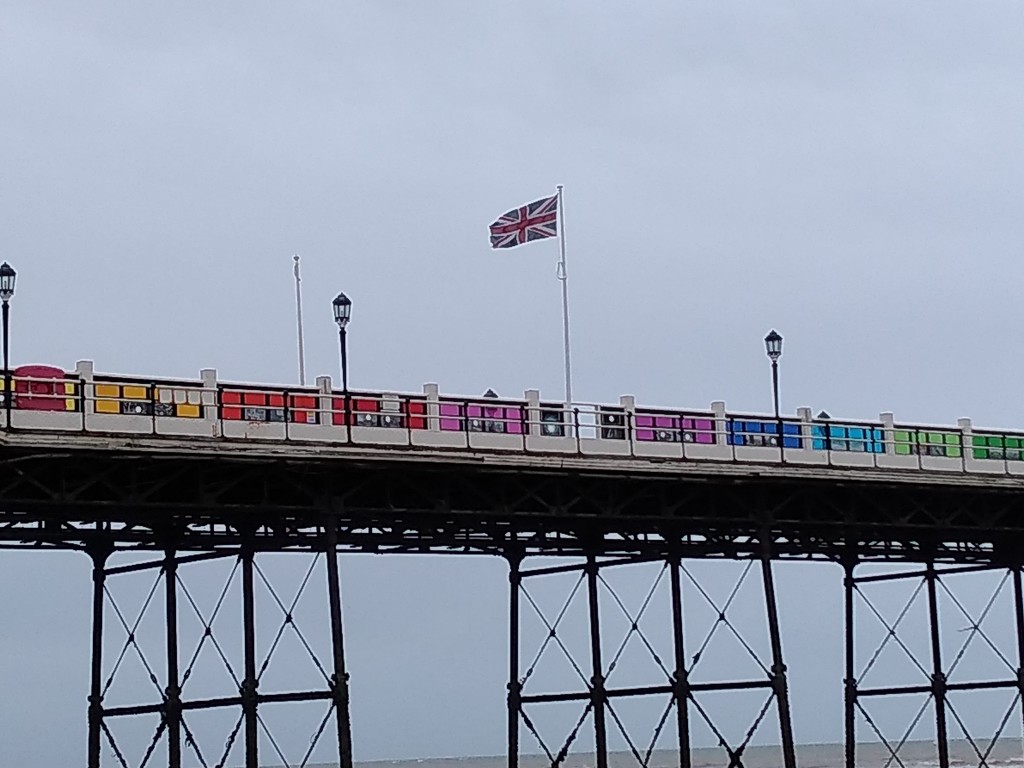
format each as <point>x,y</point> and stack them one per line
<point>69,405</point>
<point>135,393</point>
<point>108,406</point>
<point>188,411</point>
<point>69,387</point>
<point>108,390</point>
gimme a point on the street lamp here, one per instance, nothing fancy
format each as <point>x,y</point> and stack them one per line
<point>773,347</point>
<point>342,314</point>
<point>7,277</point>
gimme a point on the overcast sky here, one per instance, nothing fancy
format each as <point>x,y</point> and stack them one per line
<point>848,173</point>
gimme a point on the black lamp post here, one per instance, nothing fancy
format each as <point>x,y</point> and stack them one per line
<point>342,314</point>
<point>7,277</point>
<point>773,347</point>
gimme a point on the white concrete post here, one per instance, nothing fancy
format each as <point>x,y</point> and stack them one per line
<point>84,369</point>
<point>965,438</point>
<point>888,432</point>
<point>431,391</point>
<point>533,425</point>
<point>325,403</point>
<point>718,409</point>
<point>208,398</point>
<point>628,404</point>
<point>806,427</point>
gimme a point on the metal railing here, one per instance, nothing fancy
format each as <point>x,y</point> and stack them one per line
<point>234,411</point>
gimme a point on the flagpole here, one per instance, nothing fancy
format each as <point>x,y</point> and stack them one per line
<point>564,277</point>
<point>298,320</point>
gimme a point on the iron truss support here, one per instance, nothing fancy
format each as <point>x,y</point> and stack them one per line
<point>594,663</point>
<point>937,609</point>
<point>174,739</point>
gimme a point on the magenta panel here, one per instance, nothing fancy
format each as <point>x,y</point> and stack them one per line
<point>703,430</point>
<point>509,418</point>
<point>450,410</point>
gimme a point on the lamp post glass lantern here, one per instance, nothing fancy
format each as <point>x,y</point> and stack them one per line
<point>7,278</point>
<point>342,305</point>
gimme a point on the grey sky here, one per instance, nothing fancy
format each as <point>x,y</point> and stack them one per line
<point>848,173</point>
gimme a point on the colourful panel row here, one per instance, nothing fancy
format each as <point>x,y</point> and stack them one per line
<point>475,417</point>
<point>142,400</point>
<point>674,429</point>
<point>762,433</point>
<point>840,437</point>
<point>999,447</point>
<point>385,412</point>
<point>907,443</point>
<point>249,405</point>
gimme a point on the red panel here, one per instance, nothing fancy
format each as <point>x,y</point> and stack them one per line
<point>416,407</point>
<point>304,402</point>
<point>230,397</point>
<point>338,408</point>
<point>365,406</point>
<point>276,401</point>
<point>49,394</point>
<point>254,398</point>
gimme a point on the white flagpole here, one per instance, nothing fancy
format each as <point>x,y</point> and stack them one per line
<point>564,277</point>
<point>298,319</point>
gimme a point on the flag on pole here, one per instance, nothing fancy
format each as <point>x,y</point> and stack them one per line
<point>533,221</point>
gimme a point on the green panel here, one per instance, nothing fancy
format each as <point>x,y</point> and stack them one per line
<point>902,442</point>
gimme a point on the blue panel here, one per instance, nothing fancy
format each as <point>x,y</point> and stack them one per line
<point>856,439</point>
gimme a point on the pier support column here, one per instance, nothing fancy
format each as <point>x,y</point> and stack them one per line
<point>597,691</point>
<point>339,680</point>
<point>780,686</point>
<point>938,675</point>
<point>172,693</point>
<point>850,679</point>
<point>249,693</point>
<point>681,681</point>
<point>99,555</point>
<point>515,687</point>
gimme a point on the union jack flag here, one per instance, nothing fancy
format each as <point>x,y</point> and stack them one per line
<point>533,221</point>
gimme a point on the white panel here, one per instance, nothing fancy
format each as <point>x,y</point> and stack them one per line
<point>852,459</point>
<point>541,444</point>
<point>988,466</point>
<point>806,456</point>
<point>428,438</point>
<point>491,440</point>
<point>171,425</point>
<point>701,451</point>
<point>113,422</point>
<point>942,464</point>
<point>756,453</point>
<point>318,432</point>
<point>597,447</point>
<point>892,461</point>
<point>379,436</point>
<point>64,421</point>
<point>646,448</point>
<point>1015,468</point>
<point>253,430</point>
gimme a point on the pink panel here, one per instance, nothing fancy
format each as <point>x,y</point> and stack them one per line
<point>450,409</point>
<point>703,430</point>
<point>643,427</point>
<point>514,421</point>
